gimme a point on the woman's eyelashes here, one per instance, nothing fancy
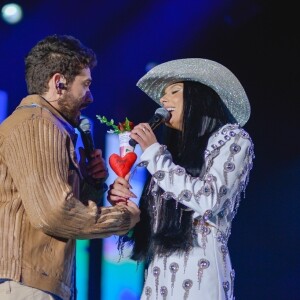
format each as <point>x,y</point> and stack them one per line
<point>176,91</point>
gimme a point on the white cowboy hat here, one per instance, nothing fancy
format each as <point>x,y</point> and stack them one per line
<point>208,72</point>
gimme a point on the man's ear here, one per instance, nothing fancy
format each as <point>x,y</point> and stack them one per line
<point>60,82</point>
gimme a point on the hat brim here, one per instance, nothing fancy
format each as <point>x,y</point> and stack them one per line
<point>208,72</point>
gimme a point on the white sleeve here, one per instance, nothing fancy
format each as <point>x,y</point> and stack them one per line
<point>227,167</point>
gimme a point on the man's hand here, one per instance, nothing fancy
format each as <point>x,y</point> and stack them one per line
<point>135,213</point>
<point>96,167</point>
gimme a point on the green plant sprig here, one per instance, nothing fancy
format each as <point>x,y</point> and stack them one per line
<point>110,123</point>
<point>122,127</point>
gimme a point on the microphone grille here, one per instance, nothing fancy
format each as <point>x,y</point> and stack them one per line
<point>163,113</point>
<point>85,125</point>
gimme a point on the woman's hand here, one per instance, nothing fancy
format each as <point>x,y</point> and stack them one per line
<point>119,191</point>
<point>144,135</point>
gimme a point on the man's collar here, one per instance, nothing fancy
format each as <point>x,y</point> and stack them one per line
<point>42,102</point>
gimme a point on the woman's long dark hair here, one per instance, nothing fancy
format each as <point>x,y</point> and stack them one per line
<point>203,113</point>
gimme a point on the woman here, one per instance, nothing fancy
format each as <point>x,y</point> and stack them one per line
<point>197,179</point>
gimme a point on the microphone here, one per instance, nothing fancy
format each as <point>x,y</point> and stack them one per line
<point>160,116</point>
<point>84,128</point>
<point>86,135</point>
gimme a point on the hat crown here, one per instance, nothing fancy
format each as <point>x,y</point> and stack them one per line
<point>206,71</point>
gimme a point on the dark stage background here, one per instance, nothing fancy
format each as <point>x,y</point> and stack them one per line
<point>257,40</point>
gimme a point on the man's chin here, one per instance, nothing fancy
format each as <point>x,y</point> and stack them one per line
<point>74,120</point>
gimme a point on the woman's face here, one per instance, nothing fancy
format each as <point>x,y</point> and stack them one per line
<point>172,100</point>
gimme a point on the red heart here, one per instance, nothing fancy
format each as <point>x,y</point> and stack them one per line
<point>122,165</point>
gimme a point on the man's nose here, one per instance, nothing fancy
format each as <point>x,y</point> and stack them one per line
<point>89,97</point>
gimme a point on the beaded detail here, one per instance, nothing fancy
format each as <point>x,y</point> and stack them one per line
<point>187,285</point>
<point>202,265</point>
<point>156,273</point>
<point>164,292</point>
<point>148,292</point>
<point>174,267</point>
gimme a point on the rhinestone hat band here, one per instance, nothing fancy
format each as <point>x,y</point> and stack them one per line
<point>208,72</point>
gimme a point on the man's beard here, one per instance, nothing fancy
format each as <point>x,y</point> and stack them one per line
<point>70,108</point>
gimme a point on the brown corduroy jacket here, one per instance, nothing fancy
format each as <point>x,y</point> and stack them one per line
<point>43,207</point>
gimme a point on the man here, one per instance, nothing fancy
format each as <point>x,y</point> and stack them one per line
<point>48,199</point>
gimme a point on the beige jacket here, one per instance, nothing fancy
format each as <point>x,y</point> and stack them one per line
<point>40,211</point>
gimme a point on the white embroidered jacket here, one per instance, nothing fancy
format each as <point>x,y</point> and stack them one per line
<point>228,161</point>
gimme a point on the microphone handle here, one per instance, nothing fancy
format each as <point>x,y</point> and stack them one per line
<point>132,143</point>
<point>88,143</point>
<point>155,121</point>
